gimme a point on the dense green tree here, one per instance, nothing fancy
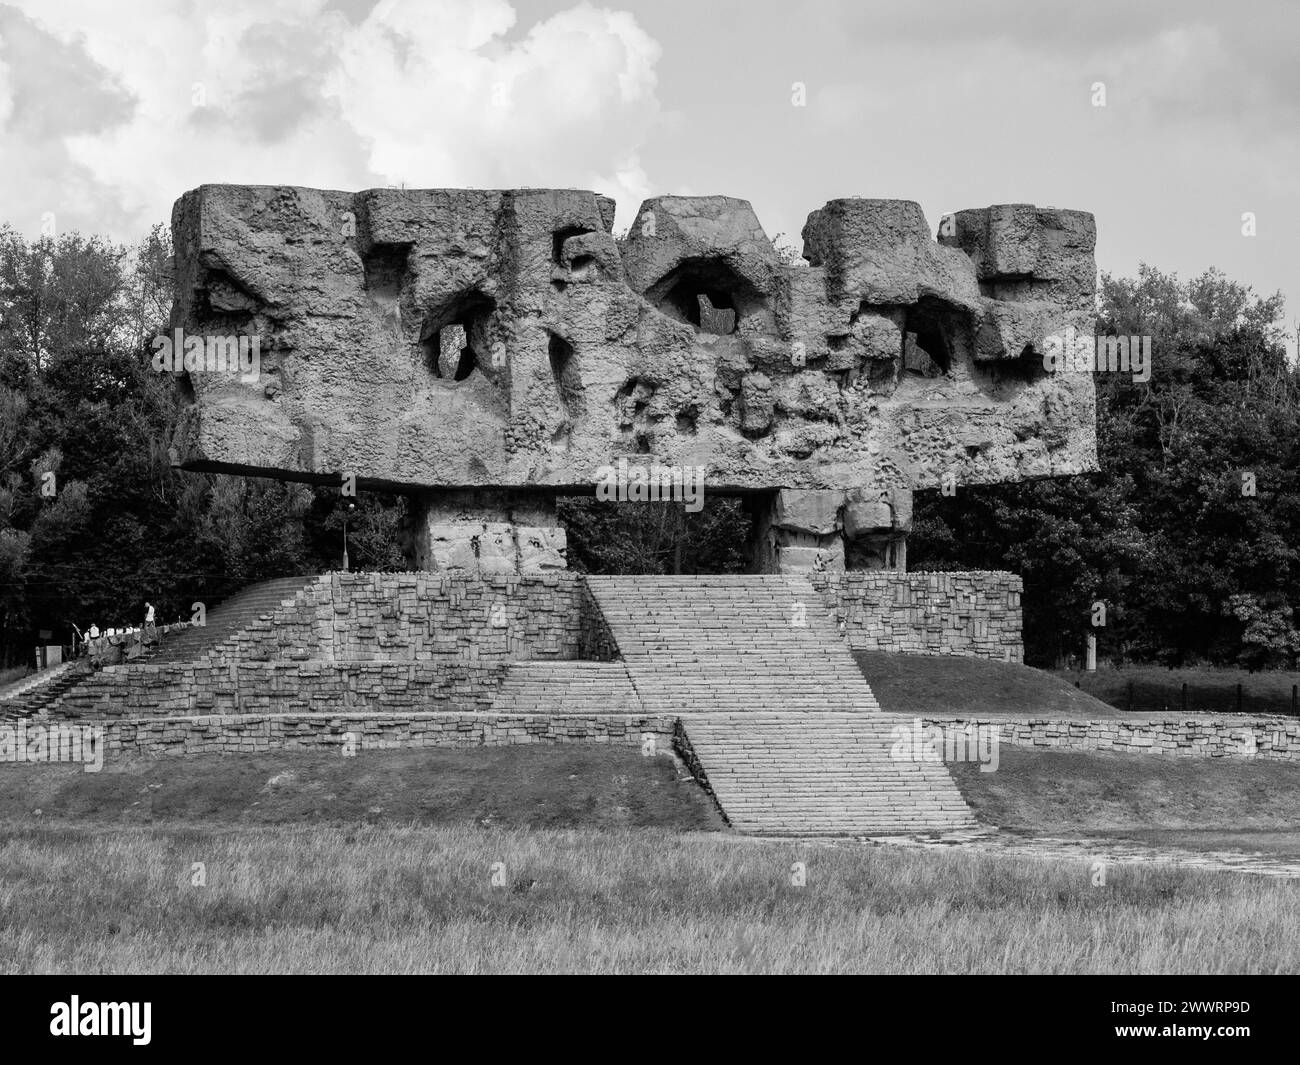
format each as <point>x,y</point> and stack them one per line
<point>1167,534</point>
<point>94,518</point>
<point>664,537</point>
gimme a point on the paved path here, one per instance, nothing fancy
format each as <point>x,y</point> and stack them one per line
<point>1082,849</point>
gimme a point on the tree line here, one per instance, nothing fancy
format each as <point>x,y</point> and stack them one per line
<point>1189,534</point>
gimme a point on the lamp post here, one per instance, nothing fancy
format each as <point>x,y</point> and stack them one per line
<point>351,508</point>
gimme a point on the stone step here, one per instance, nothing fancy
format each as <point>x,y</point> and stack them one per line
<point>225,622</point>
<point>829,774</point>
<point>53,685</point>
<point>567,688</point>
<point>733,642</point>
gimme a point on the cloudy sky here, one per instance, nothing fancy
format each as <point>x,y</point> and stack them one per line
<point>110,110</point>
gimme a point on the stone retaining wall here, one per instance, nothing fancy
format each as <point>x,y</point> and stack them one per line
<point>1273,738</point>
<point>391,642</point>
<point>975,613</point>
<point>422,617</point>
<point>313,687</point>
<point>253,734</point>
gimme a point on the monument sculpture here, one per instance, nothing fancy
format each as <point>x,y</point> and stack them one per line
<point>488,351</point>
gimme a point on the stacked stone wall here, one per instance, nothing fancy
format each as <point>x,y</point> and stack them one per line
<point>975,613</point>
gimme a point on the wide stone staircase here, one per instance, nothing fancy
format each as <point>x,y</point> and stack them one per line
<point>821,774</point>
<point>732,643</point>
<point>776,718</point>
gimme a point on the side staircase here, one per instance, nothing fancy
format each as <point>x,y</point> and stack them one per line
<point>41,690</point>
<point>227,620</point>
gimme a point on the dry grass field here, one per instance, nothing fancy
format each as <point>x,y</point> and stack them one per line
<point>404,900</point>
<point>402,862</point>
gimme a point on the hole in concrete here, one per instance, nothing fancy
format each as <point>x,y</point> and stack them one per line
<point>934,331</point>
<point>1025,369</point>
<point>559,237</point>
<point>454,334</point>
<point>633,400</point>
<point>918,361</point>
<point>564,371</point>
<point>1028,366</point>
<point>560,352</point>
<point>385,266</point>
<point>225,301</point>
<point>708,294</point>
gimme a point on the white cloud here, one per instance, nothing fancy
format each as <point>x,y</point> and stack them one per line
<point>295,93</point>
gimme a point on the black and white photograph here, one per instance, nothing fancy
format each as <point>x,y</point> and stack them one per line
<point>649,487</point>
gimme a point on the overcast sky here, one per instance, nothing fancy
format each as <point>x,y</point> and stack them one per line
<point>110,110</point>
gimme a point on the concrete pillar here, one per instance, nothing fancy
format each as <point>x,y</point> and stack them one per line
<point>876,524</point>
<point>830,531</point>
<point>799,531</point>
<point>487,531</point>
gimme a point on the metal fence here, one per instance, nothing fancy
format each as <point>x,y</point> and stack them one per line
<point>1141,697</point>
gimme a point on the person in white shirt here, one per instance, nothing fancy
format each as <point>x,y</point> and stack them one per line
<point>150,634</point>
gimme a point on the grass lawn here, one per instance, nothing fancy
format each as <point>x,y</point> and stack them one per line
<point>1184,802</point>
<point>587,785</point>
<point>1208,688</point>
<point>946,685</point>
<point>595,859</point>
<point>381,898</point>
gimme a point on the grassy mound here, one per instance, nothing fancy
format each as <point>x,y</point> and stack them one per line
<point>949,685</point>
<point>579,786</point>
<point>1142,796</point>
